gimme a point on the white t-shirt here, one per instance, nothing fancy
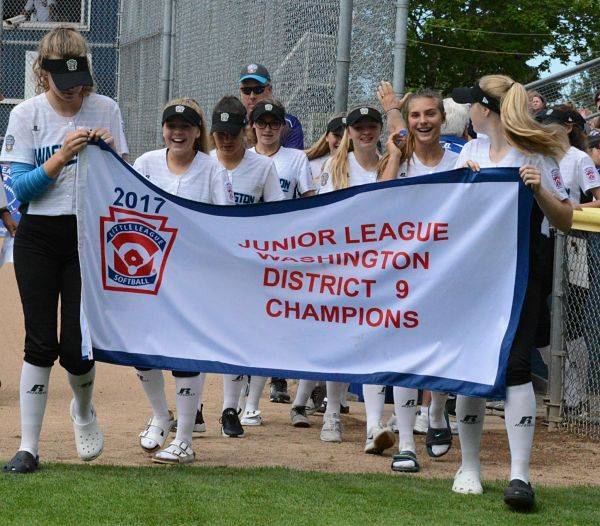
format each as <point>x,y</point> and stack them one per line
<point>35,132</point>
<point>204,180</point>
<point>316,166</point>
<point>416,167</point>
<point>579,173</point>
<point>254,179</point>
<point>478,150</point>
<point>42,9</point>
<point>294,172</point>
<point>357,175</point>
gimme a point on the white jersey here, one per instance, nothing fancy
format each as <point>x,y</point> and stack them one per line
<point>357,175</point>
<point>316,167</point>
<point>293,168</point>
<point>204,180</point>
<point>35,132</point>
<point>579,173</point>
<point>478,150</point>
<point>416,168</point>
<point>255,179</point>
<point>41,8</point>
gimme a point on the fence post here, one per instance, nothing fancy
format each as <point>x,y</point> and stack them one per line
<point>400,45</point>
<point>342,69</point>
<point>556,373</point>
<point>165,65</point>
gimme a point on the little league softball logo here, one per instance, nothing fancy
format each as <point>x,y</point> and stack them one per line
<point>135,248</point>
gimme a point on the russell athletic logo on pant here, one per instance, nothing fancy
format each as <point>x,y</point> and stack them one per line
<point>469,419</point>
<point>526,421</point>
<point>134,248</point>
<point>37,389</point>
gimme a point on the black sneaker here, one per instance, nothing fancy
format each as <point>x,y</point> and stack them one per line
<point>230,424</point>
<point>318,395</point>
<point>22,462</point>
<point>344,409</point>
<point>278,392</point>
<point>519,495</point>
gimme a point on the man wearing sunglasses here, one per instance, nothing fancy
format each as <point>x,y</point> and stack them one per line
<point>255,85</point>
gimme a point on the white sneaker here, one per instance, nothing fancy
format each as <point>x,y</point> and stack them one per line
<point>89,439</point>
<point>467,482</point>
<point>178,452</point>
<point>421,424</point>
<point>332,428</point>
<point>251,418</point>
<point>379,439</point>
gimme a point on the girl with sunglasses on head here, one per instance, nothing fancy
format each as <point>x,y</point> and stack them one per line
<point>418,153</point>
<point>44,136</point>
<point>499,109</point>
<point>185,169</point>
<point>267,121</point>
<point>253,178</point>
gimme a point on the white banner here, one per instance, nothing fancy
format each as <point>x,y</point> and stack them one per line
<point>415,282</point>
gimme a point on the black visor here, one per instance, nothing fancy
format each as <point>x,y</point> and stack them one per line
<point>366,112</point>
<point>231,123</point>
<point>69,72</point>
<point>476,94</point>
<point>185,112</point>
<point>336,124</point>
<point>560,117</point>
<point>266,108</point>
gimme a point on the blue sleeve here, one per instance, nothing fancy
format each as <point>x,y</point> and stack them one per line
<point>295,136</point>
<point>28,182</point>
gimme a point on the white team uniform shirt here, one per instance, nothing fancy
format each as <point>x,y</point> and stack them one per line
<point>357,175</point>
<point>42,9</point>
<point>415,167</point>
<point>204,180</point>
<point>316,166</point>
<point>35,132</point>
<point>293,168</point>
<point>579,173</point>
<point>254,179</point>
<point>478,150</point>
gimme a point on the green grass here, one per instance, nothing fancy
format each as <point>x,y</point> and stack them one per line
<point>73,494</point>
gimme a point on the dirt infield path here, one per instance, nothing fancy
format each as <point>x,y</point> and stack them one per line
<point>558,458</point>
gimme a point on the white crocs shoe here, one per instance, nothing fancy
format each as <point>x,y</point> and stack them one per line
<point>177,452</point>
<point>251,418</point>
<point>88,437</point>
<point>467,482</point>
<point>155,435</point>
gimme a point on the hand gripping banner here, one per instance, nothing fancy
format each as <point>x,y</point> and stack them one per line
<point>416,282</point>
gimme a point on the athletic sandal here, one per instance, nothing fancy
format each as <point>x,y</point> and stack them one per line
<point>379,439</point>
<point>22,462</point>
<point>177,452</point>
<point>155,435</point>
<point>467,483</point>
<point>88,437</point>
<point>405,456</point>
<point>438,437</point>
<point>519,495</point>
<point>251,418</point>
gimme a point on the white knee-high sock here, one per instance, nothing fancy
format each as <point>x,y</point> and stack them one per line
<point>405,407</point>
<point>83,389</point>
<point>374,396</point>
<point>305,389</point>
<point>345,394</point>
<point>470,413</point>
<point>153,384</point>
<point>232,387</point>
<point>436,410</point>
<point>334,397</point>
<point>186,402</point>
<point>201,379</point>
<point>519,415</point>
<point>257,386</point>
<point>33,394</point>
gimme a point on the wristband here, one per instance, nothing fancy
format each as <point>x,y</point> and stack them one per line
<point>392,109</point>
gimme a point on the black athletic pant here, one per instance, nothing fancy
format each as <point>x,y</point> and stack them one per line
<point>47,268</point>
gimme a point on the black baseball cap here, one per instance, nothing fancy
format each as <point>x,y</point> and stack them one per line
<point>559,116</point>
<point>364,112</point>
<point>476,94</point>
<point>264,107</point>
<point>69,72</point>
<point>336,124</point>
<point>185,112</point>
<point>224,121</point>
<point>255,72</point>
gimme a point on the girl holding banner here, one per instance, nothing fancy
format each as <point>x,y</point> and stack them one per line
<point>44,136</point>
<point>499,109</point>
<point>183,168</point>
<point>418,153</point>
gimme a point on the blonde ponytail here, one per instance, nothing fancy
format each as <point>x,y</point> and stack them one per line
<point>339,162</point>
<point>318,149</point>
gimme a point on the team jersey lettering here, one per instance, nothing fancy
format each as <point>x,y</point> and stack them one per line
<point>243,199</point>
<point>45,152</point>
<point>285,184</point>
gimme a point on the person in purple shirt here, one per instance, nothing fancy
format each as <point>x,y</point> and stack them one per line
<point>255,85</point>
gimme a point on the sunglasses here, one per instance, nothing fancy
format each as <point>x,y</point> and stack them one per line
<point>273,125</point>
<point>257,90</point>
